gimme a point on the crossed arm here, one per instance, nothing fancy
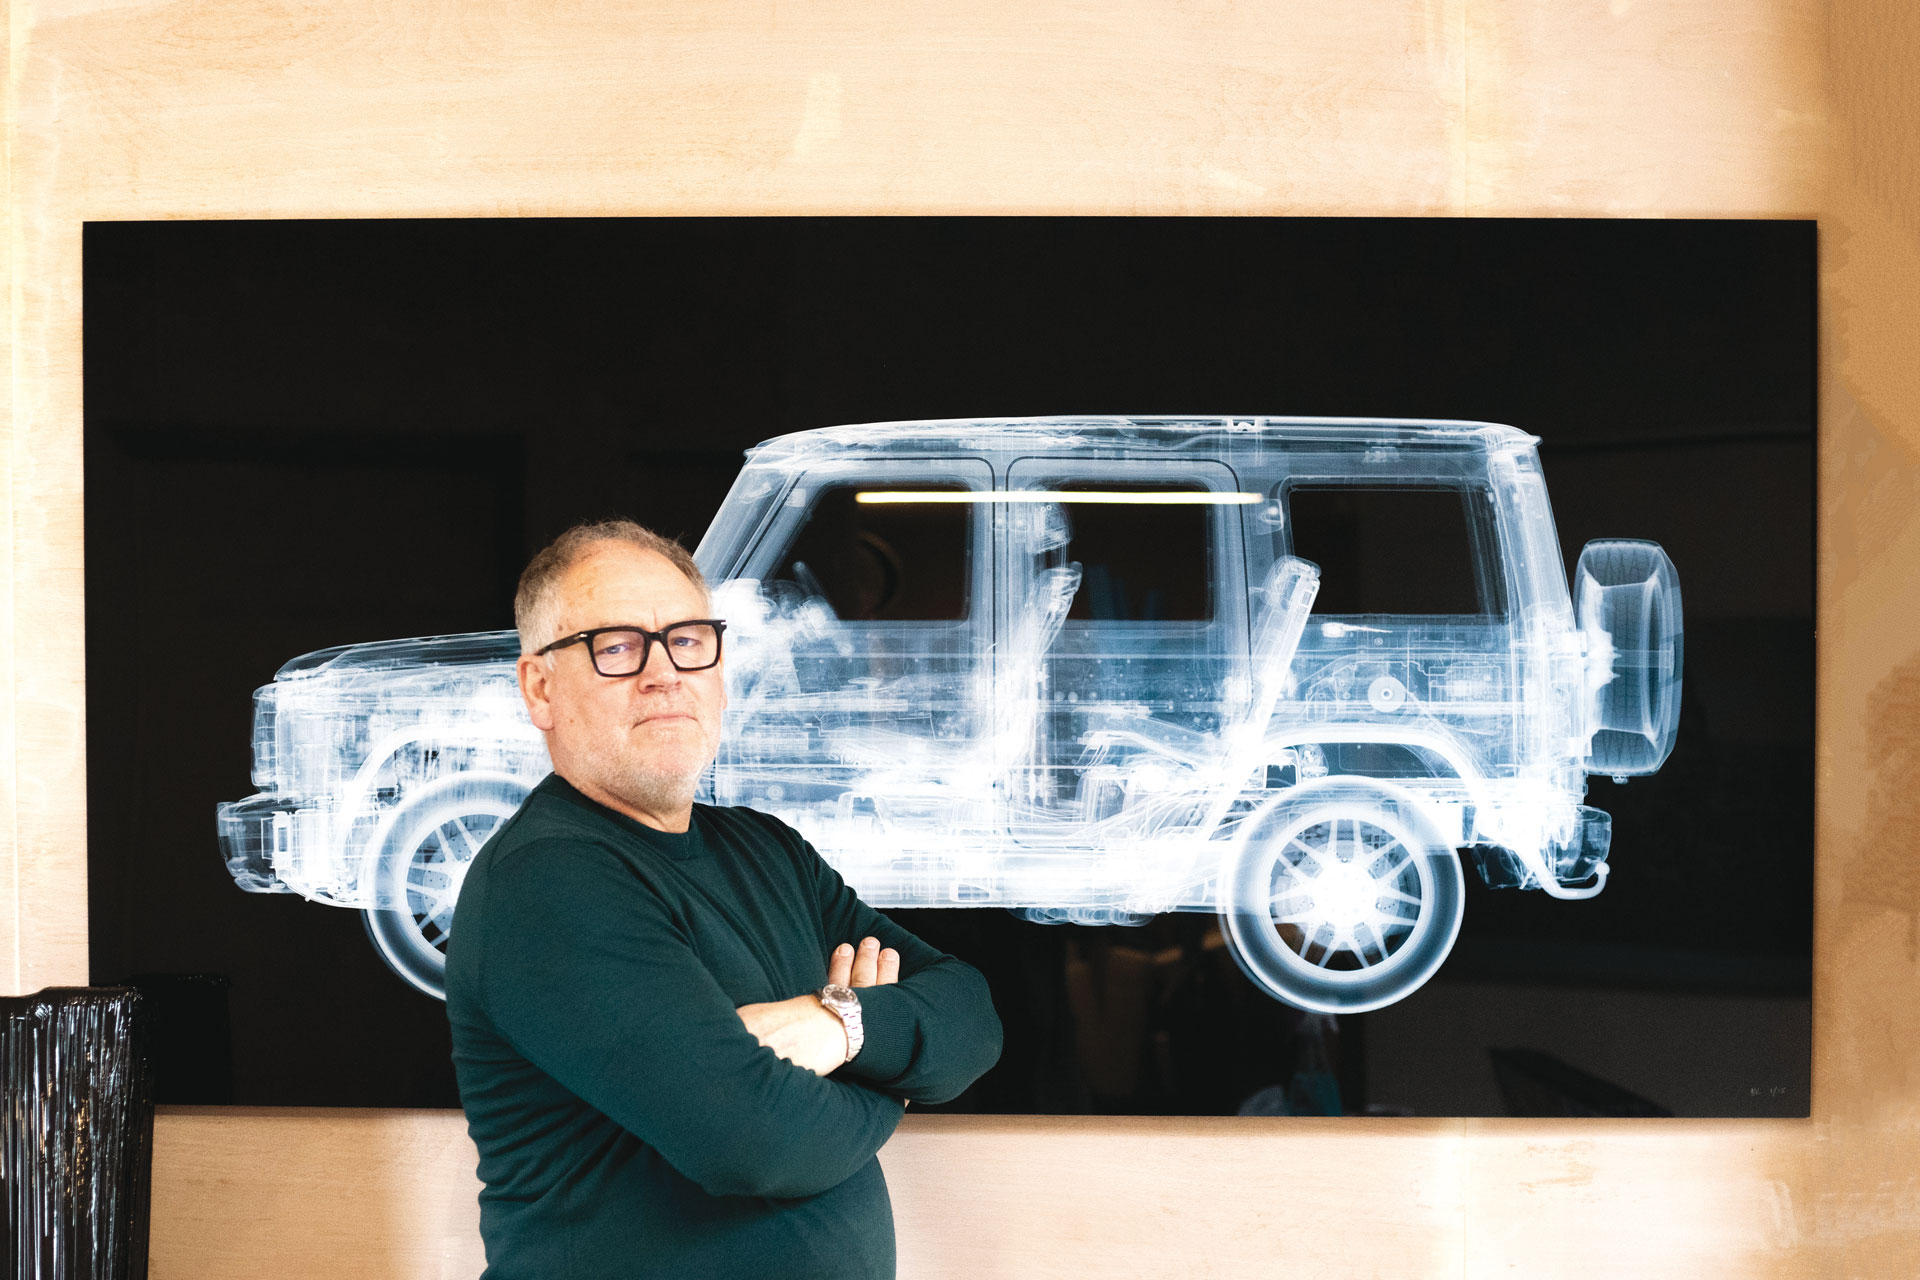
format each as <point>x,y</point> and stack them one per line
<point>616,1007</point>
<point>803,1030</point>
<point>931,1029</point>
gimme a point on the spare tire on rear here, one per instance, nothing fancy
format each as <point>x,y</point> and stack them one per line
<point>1627,601</point>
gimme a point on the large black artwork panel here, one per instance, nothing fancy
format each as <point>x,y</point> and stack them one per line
<point>305,434</point>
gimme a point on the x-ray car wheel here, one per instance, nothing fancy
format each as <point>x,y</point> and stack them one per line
<point>420,862</point>
<point>1342,899</point>
<point>1627,602</point>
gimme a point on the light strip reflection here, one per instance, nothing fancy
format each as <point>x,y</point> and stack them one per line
<point>1164,498</point>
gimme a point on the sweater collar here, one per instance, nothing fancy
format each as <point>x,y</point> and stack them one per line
<point>675,844</point>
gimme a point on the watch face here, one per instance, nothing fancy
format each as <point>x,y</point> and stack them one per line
<point>835,991</point>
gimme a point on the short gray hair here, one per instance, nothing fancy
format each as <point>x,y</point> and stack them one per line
<point>537,602</point>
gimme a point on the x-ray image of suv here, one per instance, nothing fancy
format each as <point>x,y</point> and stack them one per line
<point>1087,669</point>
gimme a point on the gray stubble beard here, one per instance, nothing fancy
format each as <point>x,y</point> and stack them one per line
<point>656,791</point>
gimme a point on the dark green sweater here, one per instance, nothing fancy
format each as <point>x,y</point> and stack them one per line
<point>628,1123</point>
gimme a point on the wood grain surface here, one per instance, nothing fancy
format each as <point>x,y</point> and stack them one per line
<point>1720,108</point>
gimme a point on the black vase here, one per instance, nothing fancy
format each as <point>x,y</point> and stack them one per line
<point>76,1140</point>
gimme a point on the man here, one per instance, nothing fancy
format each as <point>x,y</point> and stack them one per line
<point>656,1064</point>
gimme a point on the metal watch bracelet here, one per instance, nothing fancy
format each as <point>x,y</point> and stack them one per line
<point>846,1006</point>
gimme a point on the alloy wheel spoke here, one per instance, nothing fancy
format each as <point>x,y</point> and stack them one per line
<point>434,903</point>
<point>1397,865</point>
<point>1360,948</point>
<point>1310,856</point>
<point>473,846</point>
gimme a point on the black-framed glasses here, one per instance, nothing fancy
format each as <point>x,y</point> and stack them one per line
<point>693,645</point>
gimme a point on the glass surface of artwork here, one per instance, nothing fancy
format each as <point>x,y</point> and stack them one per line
<point>1089,670</point>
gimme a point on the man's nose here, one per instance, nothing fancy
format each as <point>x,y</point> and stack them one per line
<point>657,668</point>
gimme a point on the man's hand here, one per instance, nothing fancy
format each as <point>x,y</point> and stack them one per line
<point>804,1031</point>
<point>871,966</point>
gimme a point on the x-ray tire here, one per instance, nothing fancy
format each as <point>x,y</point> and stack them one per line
<point>419,860</point>
<point>1627,594</point>
<point>1378,953</point>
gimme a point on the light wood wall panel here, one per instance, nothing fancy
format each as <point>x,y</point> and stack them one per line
<point>1629,107</point>
<point>1645,108</point>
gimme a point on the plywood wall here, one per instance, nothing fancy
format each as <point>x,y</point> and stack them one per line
<point>1736,108</point>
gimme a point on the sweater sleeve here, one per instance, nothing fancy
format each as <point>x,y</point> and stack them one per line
<point>587,976</point>
<point>932,1033</point>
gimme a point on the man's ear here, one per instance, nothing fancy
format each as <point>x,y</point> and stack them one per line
<point>534,676</point>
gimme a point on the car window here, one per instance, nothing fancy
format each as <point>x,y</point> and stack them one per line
<point>1139,561</point>
<point>1394,549</point>
<point>902,561</point>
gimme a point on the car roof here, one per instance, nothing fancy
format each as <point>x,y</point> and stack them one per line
<point>1146,433</point>
<point>1204,434</point>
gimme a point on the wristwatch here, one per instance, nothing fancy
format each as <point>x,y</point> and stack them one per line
<point>841,1000</point>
